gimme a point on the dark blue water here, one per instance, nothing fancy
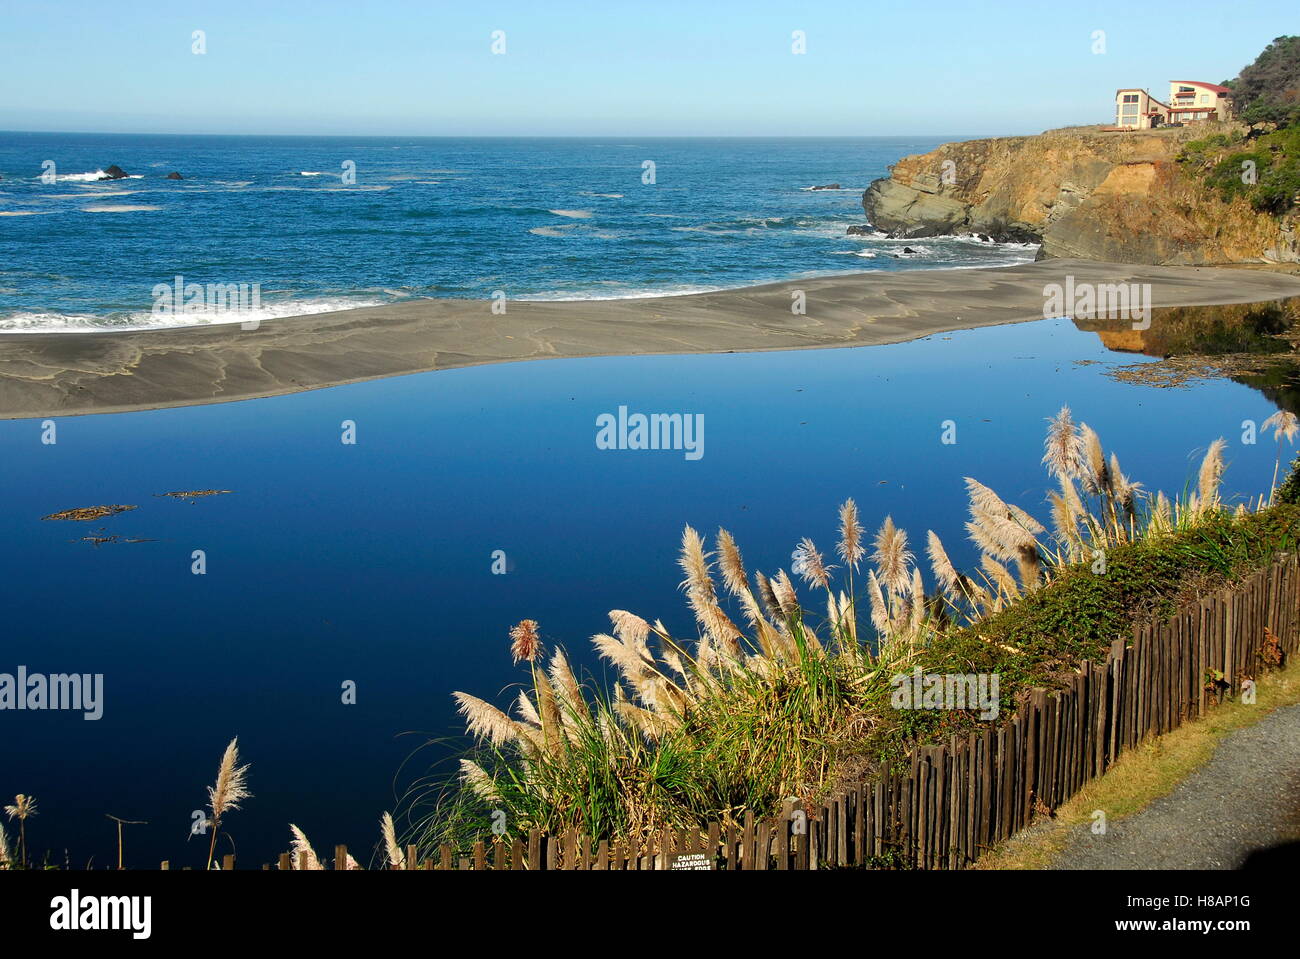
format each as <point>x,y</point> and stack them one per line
<point>372,563</point>
<point>432,217</point>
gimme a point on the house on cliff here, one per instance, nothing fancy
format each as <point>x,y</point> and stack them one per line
<point>1138,110</point>
<point>1190,101</point>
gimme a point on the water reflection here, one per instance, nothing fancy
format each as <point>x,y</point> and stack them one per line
<point>1254,344</point>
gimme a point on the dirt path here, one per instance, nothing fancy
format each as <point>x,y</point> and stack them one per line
<point>1247,797</point>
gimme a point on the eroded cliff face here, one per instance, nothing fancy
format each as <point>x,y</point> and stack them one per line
<point>1118,197</point>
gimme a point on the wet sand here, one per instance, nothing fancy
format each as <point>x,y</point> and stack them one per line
<point>68,374</point>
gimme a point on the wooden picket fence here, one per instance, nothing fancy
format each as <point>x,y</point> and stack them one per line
<point>960,798</point>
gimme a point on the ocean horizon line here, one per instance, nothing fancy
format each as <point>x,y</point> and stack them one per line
<point>519,136</point>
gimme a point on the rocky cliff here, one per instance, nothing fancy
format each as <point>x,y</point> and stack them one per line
<point>1084,193</point>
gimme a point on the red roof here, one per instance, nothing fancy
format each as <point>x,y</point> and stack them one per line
<point>1209,86</point>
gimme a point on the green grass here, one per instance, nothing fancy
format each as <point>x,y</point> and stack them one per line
<point>1081,613</point>
<point>1265,170</point>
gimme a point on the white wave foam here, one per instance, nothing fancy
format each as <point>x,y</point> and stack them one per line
<point>97,195</point>
<point>310,173</point>
<point>572,214</point>
<point>629,294</point>
<point>97,176</point>
<point>976,241</point>
<point>371,188</point>
<point>120,208</point>
<point>45,322</point>
<point>751,225</point>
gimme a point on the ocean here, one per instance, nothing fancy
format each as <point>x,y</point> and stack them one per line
<point>330,223</point>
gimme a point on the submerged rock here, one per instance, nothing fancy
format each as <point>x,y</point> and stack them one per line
<point>174,176</point>
<point>114,172</point>
<point>865,229</point>
<point>828,186</point>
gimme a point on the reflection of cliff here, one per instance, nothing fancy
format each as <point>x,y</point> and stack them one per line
<point>1122,341</point>
<point>1280,386</point>
<point>1256,328</point>
<point>1254,344</point>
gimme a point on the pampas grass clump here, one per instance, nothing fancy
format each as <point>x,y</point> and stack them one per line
<point>703,728</point>
<point>22,808</point>
<point>230,790</point>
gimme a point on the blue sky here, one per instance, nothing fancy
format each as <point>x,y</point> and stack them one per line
<point>650,68</point>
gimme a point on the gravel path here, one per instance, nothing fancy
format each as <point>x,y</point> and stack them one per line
<point>1246,797</point>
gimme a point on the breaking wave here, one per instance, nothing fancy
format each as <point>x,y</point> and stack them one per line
<point>121,322</point>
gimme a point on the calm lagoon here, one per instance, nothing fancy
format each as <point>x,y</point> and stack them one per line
<point>373,562</point>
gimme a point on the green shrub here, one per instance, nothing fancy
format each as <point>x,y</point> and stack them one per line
<point>1289,492</point>
<point>1278,188</point>
<point>1276,168</point>
<point>1227,177</point>
<point>1266,91</point>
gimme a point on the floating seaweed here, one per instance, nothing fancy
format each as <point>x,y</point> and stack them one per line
<point>85,513</point>
<point>99,538</point>
<point>193,494</point>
